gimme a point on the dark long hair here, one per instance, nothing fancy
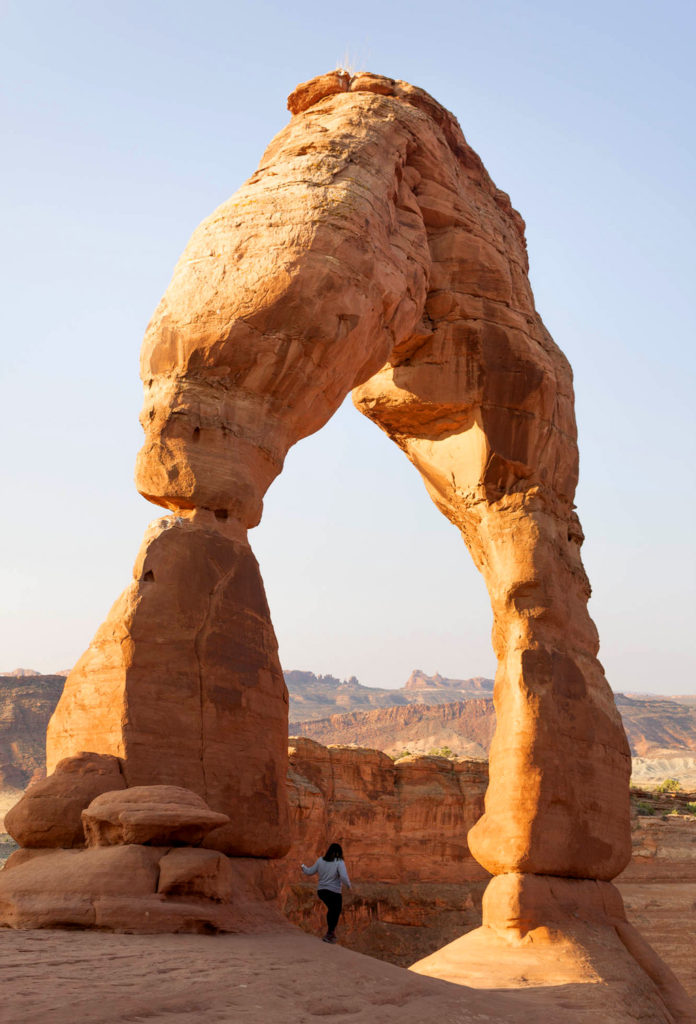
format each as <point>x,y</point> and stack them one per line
<point>334,852</point>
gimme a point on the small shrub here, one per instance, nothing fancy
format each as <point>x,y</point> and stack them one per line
<point>441,752</point>
<point>644,808</point>
<point>404,753</point>
<point>691,807</point>
<point>668,786</point>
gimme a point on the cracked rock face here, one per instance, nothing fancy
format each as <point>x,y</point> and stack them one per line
<point>372,253</point>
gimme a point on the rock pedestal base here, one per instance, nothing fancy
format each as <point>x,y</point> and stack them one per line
<point>540,930</point>
<point>138,890</point>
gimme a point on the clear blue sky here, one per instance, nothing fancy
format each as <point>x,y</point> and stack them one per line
<point>127,123</point>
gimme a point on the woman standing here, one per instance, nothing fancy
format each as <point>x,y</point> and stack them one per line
<point>332,874</point>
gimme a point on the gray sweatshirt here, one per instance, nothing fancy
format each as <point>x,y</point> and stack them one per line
<point>331,874</point>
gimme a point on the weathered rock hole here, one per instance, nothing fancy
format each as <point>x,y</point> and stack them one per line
<point>221,513</point>
<point>197,434</point>
<point>149,576</point>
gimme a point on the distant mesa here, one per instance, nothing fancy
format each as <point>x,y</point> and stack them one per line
<point>418,680</point>
<point>428,712</point>
<point>24,673</point>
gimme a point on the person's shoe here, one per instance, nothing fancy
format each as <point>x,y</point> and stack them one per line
<point>327,937</point>
<point>331,937</point>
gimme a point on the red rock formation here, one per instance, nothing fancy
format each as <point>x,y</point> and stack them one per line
<point>49,813</point>
<point>372,253</point>
<point>403,821</point>
<point>182,682</point>
<point>149,816</point>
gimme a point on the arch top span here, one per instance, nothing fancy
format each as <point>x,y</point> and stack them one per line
<point>369,253</point>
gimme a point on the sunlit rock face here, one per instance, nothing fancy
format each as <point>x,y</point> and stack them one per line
<point>372,253</point>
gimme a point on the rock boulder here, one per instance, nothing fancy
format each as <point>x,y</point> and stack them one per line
<point>149,815</point>
<point>49,813</point>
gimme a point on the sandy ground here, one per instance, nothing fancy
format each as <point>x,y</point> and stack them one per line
<point>287,976</point>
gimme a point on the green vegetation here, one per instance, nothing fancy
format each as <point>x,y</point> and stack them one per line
<point>691,807</point>
<point>441,752</point>
<point>404,753</point>
<point>668,786</point>
<point>645,808</point>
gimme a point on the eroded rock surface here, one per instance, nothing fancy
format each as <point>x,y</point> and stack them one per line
<point>49,813</point>
<point>372,253</point>
<point>149,815</point>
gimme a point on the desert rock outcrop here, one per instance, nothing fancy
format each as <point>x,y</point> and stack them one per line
<point>151,816</point>
<point>136,874</point>
<point>370,253</point>
<point>49,813</point>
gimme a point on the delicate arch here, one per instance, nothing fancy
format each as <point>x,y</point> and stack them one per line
<point>370,252</point>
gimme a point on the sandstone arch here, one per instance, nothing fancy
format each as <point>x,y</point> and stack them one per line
<point>370,252</point>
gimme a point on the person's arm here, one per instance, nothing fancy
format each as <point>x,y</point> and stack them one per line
<point>344,874</point>
<point>311,871</point>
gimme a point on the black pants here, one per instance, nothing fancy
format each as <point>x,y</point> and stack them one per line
<point>334,905</point>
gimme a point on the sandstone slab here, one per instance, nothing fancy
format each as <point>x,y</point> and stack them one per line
<point>59,889</point>
<point>202,873</point>
<point>152,815</point>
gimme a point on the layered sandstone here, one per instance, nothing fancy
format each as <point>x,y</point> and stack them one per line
<point>465,727</point>
<point>403,828</point>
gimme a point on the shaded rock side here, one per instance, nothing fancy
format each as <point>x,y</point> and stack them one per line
<point>182,682</point>
<point>49,814</point>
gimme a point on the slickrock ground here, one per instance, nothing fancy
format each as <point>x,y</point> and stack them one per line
<point>97,978</point>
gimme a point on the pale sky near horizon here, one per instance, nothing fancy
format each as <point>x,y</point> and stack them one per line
<point>128,123</point>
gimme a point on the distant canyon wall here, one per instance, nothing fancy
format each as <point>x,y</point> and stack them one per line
<point>429,712</point>
<point>403,827</point>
